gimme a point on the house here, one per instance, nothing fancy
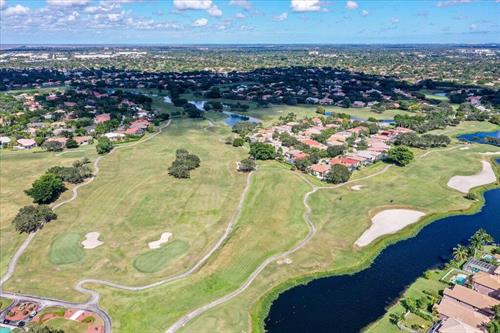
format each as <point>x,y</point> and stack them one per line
<point>452,325</point>
<point>487,284</point>
<point>474,265</point>
<point>358,104</point>
<point>102,118</point>
<point>295,155</point>
<point>350,163</point>
<point>83,140</point>
<point>61,140</point>
<point>113,136</point>
<point>450,309</point>
<point>4,141</point>
<point>313,144</point>
<point>26,143</point>
<point>471,299</point>
<point>70,104</point>
<point>319,170</point>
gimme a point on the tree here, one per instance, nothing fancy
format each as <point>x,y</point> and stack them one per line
<point>338,174</point>
<point>479,238</point>
<point>52,146</point>
<point>31,218</point>
<point>104,145</point>
<point>334,151</point>
<point>400,155</point>
<point>46,189</point>
<point>262,151</point>
<point>460,253</point>
<point>238,142</point>
<point>247,165</point>
<point>184,162</point>
<point>179,171</point>
<point>71,143</point>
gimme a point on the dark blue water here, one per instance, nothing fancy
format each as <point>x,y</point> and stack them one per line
<point>480,137</point>
<point>235,118</point>
<point>347,303</point>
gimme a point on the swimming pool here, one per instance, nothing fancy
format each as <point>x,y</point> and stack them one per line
<point>4,330</point>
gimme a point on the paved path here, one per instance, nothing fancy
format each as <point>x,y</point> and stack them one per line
<point>14,260</point>
<point>312,231</point>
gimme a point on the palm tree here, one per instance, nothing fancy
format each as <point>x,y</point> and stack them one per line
<point>479,238</point>
<point>460,253</point>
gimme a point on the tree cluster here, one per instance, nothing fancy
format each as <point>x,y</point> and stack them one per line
<point>32,218</point>
<point>183,164</point>
<point>424,141</point>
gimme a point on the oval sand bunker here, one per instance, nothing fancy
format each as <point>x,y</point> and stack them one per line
<point>388,222</point>
<point>91,240</point>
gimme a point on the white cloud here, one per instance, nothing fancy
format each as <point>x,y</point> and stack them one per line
<point>2,4</point>
<point>192,4</point>
<point>305,5</point>
<point>67,3</point>
<point>394,20</point>
<point>365,12</point>
<point>351,5</point>
<point>473,27</point>
<point>214,11</point>
<point>16,10</point>
<point>449,3</point>
<point>281,17</point>
<point>200,22</point>
<point>240,15</point>
<point>73,16</point>
<point>241,3</point>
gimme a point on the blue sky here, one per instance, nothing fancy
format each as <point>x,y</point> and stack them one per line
<point>248,21</point>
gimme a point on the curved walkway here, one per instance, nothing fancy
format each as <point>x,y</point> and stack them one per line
<point>312,231</point>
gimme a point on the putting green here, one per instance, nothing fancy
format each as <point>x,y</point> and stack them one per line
<point>154,260</point>
<point>66,249</point>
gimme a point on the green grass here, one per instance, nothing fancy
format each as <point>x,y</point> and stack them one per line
<point>66,249</point>
<point>66,325</point>
<point>18,170</point>
<point>4,303</point>
<point>133,200</point>
<point>155,260</point>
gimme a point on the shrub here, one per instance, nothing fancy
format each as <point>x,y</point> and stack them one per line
<point>238,142</point>
<point>71,143</point>
<point>52,146</point>
<point>247,165</point>
<point>182,165</point>
<point>262,151</point>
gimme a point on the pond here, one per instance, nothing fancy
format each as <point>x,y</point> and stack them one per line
<point>234,118</point>
<point>348,303</point>
<point>492,138</point>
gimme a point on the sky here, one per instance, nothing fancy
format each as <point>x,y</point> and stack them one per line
<point>172,22</point>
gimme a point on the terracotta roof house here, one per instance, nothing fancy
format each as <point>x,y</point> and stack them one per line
<point>450,309</point>
<point>471,298</point>
<point>313,144</point>
<point>487,284</point>
<point>451,325</point>
<point>61,140</point>
<point>70,104</point>
<point>83,140</point>
<point>319,170</point>
<point>350,163</point>
<point>26,143</point>
<point>102,118</point>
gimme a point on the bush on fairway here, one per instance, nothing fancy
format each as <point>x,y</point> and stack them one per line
<point>46,189</point>
<point>155,260</point>
<point>246,165</point>
<point>104,145</point>
<point>262,151</point>
<point>31,218</point>
<point>184,162</point>
<point>66,249</point>
<point>338,174</point>
<point>400,155</point>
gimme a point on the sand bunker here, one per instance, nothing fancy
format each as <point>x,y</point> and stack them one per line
<point>490,153</point>
<point>91,240</point>
<point>465,183</point>
<point>388,222</point>
<point>163,239</point>
<point>464,148</point>
<point>286,261</point>
<point>357,187</point>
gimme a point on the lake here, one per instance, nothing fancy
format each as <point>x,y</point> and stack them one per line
<point>348,303</point>
<point>234,118</point>
<point>481,137</point>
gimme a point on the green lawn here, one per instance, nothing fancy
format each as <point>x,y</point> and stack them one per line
<point>66,249</point>
<point>133,200</point>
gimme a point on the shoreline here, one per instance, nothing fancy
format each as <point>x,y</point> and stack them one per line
<point>262,306</point>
